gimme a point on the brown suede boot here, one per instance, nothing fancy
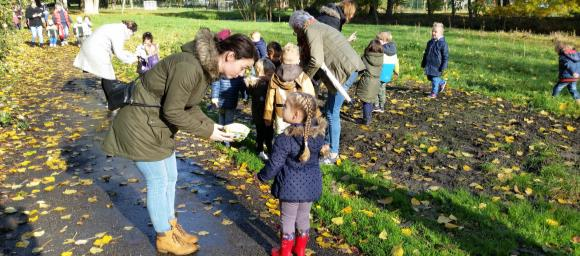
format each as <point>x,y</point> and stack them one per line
<point>171,242</point>
<point>192,239</point>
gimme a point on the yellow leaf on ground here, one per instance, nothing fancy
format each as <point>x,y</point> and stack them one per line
<point>407,231</point>
<point>509,139</point>
<point>383,235</point>
<point>358,155</point>
<point>347,210</point>
<point>529,191</point>
<point>467,168</point>
<point>368,213</point>
<point>432,149</point>
<point>338,221</point>
<point>482,205</point>
<point>397,251</point>
<point>203,233</point>
<point>415,202</point>
<point>570,128</point>
<point>106,239</point>
<point>451,226</point>
<point>22,244</point>
<point>227,222</point>
<point>49,188</point>
<point>69,192</point>
<point>95,250</point>
<point>66,254</point>
<point>552,222</point>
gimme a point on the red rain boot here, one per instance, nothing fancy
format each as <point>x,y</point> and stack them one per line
<point>300,246</point>
<point>285,248</point>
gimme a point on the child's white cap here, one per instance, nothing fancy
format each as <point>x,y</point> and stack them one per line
<point>80,19</point>
<point>50,22</point>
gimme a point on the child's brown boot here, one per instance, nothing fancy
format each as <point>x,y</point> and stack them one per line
<point>170,242</point>
<point>192,239</point>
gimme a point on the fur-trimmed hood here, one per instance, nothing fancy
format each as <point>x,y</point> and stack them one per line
<point>288,72</point>
<point>318,128</point>
<point>205,50</point>
<point>330,10</point>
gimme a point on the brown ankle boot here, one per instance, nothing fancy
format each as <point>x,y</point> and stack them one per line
<point>171,242</point>
<point>192,239</point>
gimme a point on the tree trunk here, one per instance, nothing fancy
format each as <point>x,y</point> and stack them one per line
<point>131,2</point>
<point>453,8</point>
<point>429,7</point>
<point>470,8</point>
<point>123,7</point>
<point>390,8</point>
<point>91,6</point>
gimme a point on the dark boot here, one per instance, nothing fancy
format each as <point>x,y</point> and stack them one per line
<point>285,246</point>
<point>301,242</point>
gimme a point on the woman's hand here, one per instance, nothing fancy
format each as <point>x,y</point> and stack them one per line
<point>352,37</point>
<point>219,135</point>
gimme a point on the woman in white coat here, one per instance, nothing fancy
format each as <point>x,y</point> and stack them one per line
<point>96,54</point>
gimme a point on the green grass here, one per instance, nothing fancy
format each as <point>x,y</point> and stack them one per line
<point>518,67</point>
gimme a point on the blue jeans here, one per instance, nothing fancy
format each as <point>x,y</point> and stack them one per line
<point>333,105</point>
<point>37,33</point>
<point>161,177</point>
<point>52,40</point>
<point>571,88</point>
<point>436,82</point>
<point>226,116</point>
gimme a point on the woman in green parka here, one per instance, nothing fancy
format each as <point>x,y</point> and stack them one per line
<point>146,135</point>
<point>368,85</point>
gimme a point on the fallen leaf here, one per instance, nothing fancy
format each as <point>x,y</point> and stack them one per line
<point>38,233</point>
<point>529,191</point>
<point>128,228</point>
<point>81,242</point>
<point>415,202</point>
<point>66,254</point>
<point>95,250</point>
<point>552,222</point>
<point>217,213</point>
<point>432,149</point>
<point>383,235</point>
<point>406,231</point>
<point>346,210</point>
<point>397,251</point>
<point>443,219</point>
<point>203,233</point>
<point>37,250</point>
<point>106,239</point>
<point>22,244</point>
<point>337,221</point>
<point>466,168</point>
<point>451,226</point>
<point>92,199</point>
<point>69,192</point>
<point>227,222</point>
<point>385,201</point>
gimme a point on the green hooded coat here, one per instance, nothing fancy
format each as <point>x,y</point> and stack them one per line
<point>178,83</point>
<point>368,85</point>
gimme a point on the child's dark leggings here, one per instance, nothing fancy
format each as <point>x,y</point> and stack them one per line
<point>295,216</point>
<point>367,112</point>
<point>264,134</point>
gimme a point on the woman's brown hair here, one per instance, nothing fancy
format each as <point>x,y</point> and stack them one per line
<point>307,104</point>
<point>374,46</point>
<point>131,25</point>
<point>349,9</point>
<point>241,45</point>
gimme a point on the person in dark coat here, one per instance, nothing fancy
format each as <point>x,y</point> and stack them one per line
<point>435,59</point>
<point>294,166</point>
<point>569,70</point>
<point>146,135</point>
<point>258,90</point>
<point>337,14</point>
<point>35,23</point>
<point>260,44</point>
<point>274,50</point>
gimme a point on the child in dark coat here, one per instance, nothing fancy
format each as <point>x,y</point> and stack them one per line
<point>369,83</point>
<point>258,88</point>
<point>274,50</point>
<point>569,70</point>
<point>435,60</point>
<point>294,167</point>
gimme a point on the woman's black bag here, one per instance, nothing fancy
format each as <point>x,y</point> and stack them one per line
<point>120,94</point>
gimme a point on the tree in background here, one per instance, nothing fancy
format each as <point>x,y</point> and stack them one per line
<point>91,7</point>
<point>434,5</point>
<point>537,8</point>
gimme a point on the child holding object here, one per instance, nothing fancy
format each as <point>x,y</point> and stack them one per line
<point>294,166</point>
<point>289,77</point>
<point>435,60</point>
<point>368,85</point>
<point>569,70</point>
<point>148,54</point>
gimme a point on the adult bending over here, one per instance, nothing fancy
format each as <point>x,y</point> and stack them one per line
<point>146,135</point>
<point>96,52</point>
<point>324,45</point>
<point>337,14</point>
